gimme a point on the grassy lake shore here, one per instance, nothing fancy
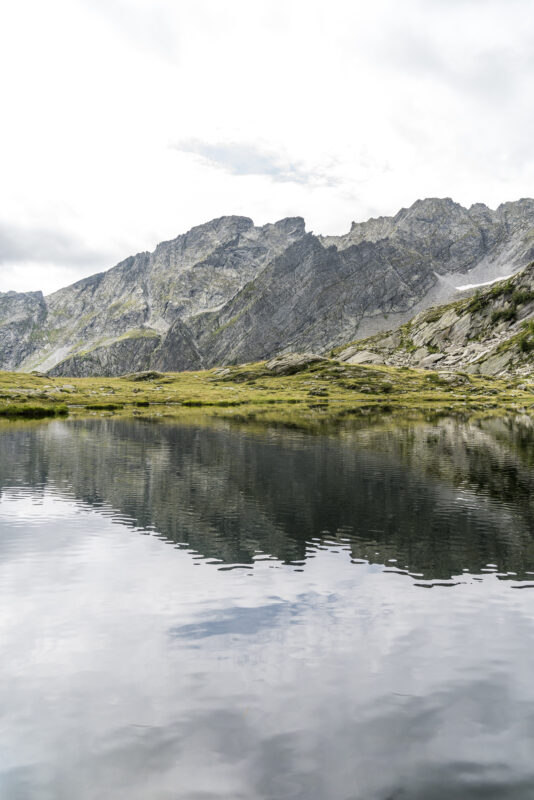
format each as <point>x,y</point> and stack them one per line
<point>321,392</point>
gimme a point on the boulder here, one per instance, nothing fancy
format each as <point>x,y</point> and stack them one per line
<point>365,357</point>
<point>290,363</point>
<point>147,375</point>
<point>428,361</point>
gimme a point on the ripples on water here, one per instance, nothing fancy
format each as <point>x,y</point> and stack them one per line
<point>214,613</point>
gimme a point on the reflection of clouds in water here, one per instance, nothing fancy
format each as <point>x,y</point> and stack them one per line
<point>337,681</point>
<point>241,621</point>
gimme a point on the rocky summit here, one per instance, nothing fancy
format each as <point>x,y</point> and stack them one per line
<point>229,291</point>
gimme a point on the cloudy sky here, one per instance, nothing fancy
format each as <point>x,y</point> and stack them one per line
<point>125,122</point>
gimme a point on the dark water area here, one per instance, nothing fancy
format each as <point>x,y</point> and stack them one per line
<point>220,612</point>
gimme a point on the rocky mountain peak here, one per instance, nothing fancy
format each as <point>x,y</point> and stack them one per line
<point>431,206</point>
<point>21,296</point>
<point>292,226</point>
<point>208,235</point>
<point>223,226</point>
<point>517,215</point>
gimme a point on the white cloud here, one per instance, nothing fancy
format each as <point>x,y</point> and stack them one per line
<point>253,159</point>
<point>129,122</point>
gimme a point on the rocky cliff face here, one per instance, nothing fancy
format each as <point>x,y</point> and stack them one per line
<point>229,291</point>
<point>22,314</point>
<point>489,333</point>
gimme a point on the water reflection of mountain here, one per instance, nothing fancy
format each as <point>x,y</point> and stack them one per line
<point>437,498</point>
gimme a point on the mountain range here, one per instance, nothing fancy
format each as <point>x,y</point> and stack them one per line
<point>229,291</point>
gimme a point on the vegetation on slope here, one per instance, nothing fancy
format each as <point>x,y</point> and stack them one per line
<point>321,391</point>
<point>488,333</point>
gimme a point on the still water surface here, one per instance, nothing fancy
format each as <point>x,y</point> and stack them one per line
<point>194,613</point>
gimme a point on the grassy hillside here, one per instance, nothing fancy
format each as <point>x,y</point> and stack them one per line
<point>317,392</point>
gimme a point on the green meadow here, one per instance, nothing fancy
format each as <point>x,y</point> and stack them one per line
<point>320,393</point>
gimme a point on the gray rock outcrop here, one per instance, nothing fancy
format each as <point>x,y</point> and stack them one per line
<point>488,333</point>
<point>292,363</point>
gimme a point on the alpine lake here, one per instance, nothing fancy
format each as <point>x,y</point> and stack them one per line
<point>207,609</point>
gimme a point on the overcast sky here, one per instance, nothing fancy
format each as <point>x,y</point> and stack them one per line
<point>125,122</point>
